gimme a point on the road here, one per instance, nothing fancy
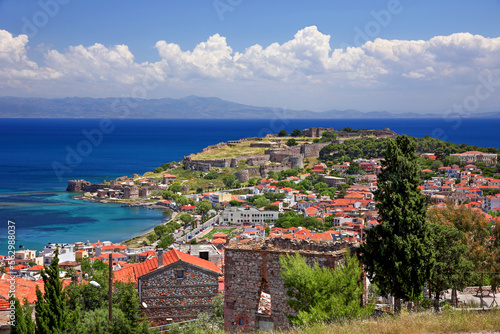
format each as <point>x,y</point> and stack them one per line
<point>193,233</point>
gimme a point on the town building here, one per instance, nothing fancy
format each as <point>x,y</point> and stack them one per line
<point>25,256</point>
<point>247,215</point>
<point>131,192</point>
<point>174,286</point>
<point>476,156</point>
<point>66,253</point>
<point>255,296</point>
<point>168,178</point>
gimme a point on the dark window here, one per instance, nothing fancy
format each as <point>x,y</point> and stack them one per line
<point>180,273</point>
<point>204,255</point>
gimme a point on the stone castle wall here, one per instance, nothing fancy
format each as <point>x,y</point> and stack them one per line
<point>85,186</point>
<point>316,132</point>
<point>254,268</point>
<point>311,150</point>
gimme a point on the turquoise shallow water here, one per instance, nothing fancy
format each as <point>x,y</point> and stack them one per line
<point>32,194</point>
<point>58,218</point>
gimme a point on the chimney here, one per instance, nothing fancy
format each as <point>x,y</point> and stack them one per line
<point>160,257</point>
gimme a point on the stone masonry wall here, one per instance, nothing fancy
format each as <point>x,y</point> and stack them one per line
<point>254,268</point>
<point>178,298</point>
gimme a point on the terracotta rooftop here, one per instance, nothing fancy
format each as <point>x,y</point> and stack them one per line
<point>38,267</point>
<point>132,274</point>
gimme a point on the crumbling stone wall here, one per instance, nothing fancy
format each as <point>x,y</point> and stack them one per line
<point>242,175</point>
<point>254,267</point>
<point>311,150</point>
<point>316,132</point>
<point>179,299</point>
<point>84,186</point>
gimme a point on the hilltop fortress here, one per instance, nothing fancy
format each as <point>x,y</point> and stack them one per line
<point>278,157</point>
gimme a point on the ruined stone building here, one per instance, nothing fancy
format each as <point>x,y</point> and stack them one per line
<point>131,192</point>
<point>255,296</point>
<point>174,286</point>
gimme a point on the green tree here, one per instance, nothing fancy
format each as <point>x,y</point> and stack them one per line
<point>23,323</point>
<point>291,142</point>
<point>296,133</point>
<point>204,207</point>
<point>282,133</point>
<point>354,168</point>
<point>235,203</point>
<point>166,241</point>
<point>175,187</point>
<point>398,252</point>
<point>320,186</point>
<point>52,316</point>
<point>211,176</point>
<point>186,218</point>
<point>229,180</point>
<point>167,194</point>
<point>152,237</point>
<point>320,294</point>
<point>260,202</point>
<point>451,268</point>
<point>160,230</point>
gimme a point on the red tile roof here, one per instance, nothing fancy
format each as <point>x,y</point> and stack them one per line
<point>38,267</point>
<point>113,247</point>
<point>113,255</point>
<point>148,253</point>
<point>143,268</point>
<point>4,304</point>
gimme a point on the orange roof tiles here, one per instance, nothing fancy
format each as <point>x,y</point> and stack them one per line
<point>172,256</point>
<point>148,253</point>
<point>38,267</point>
<point>113,255</point>
<point>113,247</point>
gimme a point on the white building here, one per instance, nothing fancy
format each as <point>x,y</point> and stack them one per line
<point>491,203</point>
<point>247,215</point>
<point>66,253</point>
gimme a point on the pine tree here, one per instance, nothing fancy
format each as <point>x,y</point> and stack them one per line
<point>398,252</point>
<point>51,309</point>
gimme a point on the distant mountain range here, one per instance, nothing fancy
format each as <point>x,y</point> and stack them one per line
<point>193,107</point>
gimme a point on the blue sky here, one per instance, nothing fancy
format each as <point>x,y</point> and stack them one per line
<point>319,55</point>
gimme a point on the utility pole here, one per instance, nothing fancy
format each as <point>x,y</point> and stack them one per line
<point>110,293</point>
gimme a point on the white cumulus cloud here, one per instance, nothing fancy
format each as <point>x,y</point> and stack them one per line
<point>292,71</point>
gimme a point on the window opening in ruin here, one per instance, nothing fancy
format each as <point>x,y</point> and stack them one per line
<point>264,303</point>
<point>204,255</point>
<point>180,273</point>
<point>264,306</point>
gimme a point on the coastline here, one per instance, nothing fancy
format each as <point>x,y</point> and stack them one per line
<point>143,234</point>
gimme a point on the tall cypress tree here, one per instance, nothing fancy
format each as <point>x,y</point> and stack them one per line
<point>23,323</point>
<point>398,252</point>
<point>51,310</point>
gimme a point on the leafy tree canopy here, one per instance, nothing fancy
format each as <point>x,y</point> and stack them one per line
<point>321,294</point>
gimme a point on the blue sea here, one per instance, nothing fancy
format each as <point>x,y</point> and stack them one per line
<point>38,156</point>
